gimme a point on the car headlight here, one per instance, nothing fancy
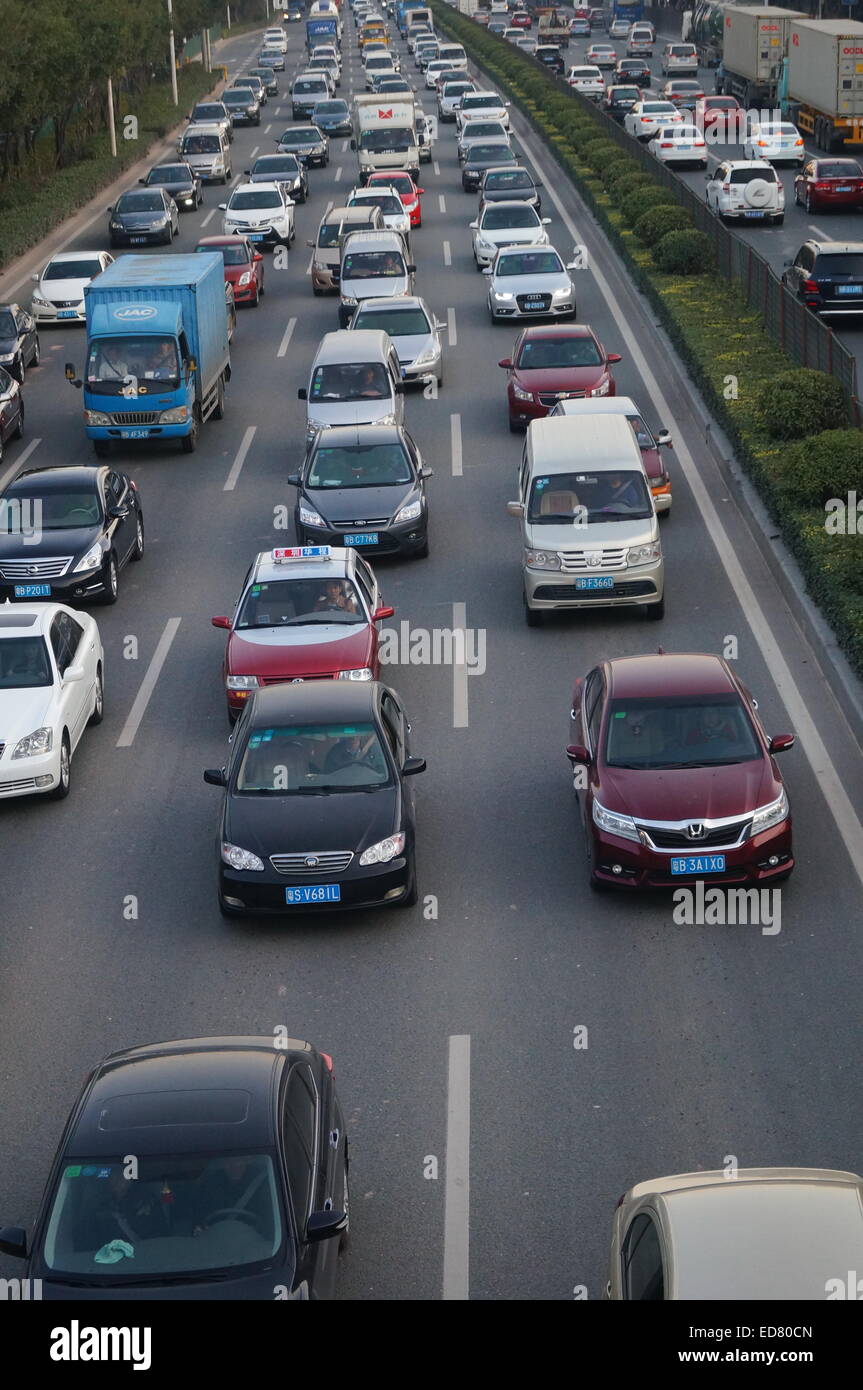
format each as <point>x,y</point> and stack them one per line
<point>242,683</point>
<point>409,512</point>
<point>91,561</point>
<point>39,299</point>
<point>615,824</point>
<point>428,354</point>
<point>771,814</point>
<point>308,516</point>
<point>520,393</point>
<point>563,294</point>
<point>116,226</point>
<point>96,417</point>
<point>40,741</point>
<point>241,858</point>
<point>384,850</point>
<point>7,356</point>
<point>349,301</point>
<point>245,279</point>
<point>542,559</point>
<point>601,390</point>
<point>175,416</point>
<point>502,294</point>
<point>644,554</point>
<point>360,673</point>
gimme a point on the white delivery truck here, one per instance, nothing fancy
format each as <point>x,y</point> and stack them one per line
<point>385,134</point>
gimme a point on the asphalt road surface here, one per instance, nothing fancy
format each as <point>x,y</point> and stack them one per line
<point>452,1024</point>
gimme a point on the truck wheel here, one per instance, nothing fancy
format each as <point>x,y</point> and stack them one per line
<point>101,448</point>
<point>189,442</point>
<point>219,408</point>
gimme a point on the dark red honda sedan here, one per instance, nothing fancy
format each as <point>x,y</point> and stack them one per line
<point>244,266</point>
<point>551,363</point>
<point>829,183</point>
<point>676,778</point>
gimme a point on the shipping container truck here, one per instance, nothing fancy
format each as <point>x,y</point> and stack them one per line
<point>823,87</point>
<point>385,135</point>
<point>157,359</point>
<point>754,45</point>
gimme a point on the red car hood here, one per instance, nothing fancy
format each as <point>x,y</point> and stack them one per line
<point>560,379</point>
<point>703,793</point>
<point>234,272</point>
<point>300,651</point>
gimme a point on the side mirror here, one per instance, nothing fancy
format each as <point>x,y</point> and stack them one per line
<point>515,508</point>
<point>257,258</point>
<point>411,269</point>
<point>613,357</point>
<point>420,190</point>
<point>663,438</point>
<point>70,373</point>
<point>381,613</point>
<point>577,753</point>
<point>192,364</point>
<point>302,394</point>
<point>293,479</point>
<point>426,473</point>
<point>538,183</point>
<point>247,171</point>
<point>13,1241</point>
<point>474,226</point>
<point>546,221</point>
<point>142,180</point>
<point>35,277</point>
<point>505,362</point>
<point>216,777</point>
<point>322,1225</point>
<point>413,765</point>
<point>221,622</point>
<point>223,207</point>
<point>487,270</point>
<point>118,513</point>
<point>73,674</point>
<point>312,244</point>
<point>110,209</point>
<point>780,743</point>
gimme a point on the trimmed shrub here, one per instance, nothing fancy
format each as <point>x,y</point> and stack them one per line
<point>821,467</point>
<point>801,402</point>
<point>600,152</point>
<point>627,183</point>
<point>643,200</point>
<point>615,168</point>
<point>683,251</point>
<point>654,225</point>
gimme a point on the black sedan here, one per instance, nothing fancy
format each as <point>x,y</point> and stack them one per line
<point>19,340</point>
<point>504,184</point>
<point>237,1188</point>
<point>285,169</point>
<point>141,216</point>
<point>83,525</point>
<point>632,70</point>
<point>482,157</point>
<point>179,181</point>
<point>333,117</point>
<point>308,143</point>
<point>372,471</point>
<point>551,58</point>
<point>11,412</point>
<point>317,813</point>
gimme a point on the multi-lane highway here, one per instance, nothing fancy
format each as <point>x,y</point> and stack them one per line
<point>453,1024</point>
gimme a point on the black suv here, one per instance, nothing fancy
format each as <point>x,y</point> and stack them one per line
<point>828,276</point>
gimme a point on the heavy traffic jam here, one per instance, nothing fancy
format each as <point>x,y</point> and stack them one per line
<point>347,376</point>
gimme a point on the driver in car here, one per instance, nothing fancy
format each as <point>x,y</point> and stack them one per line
<point>335,597</point>
<point>228,1185</point>
<point>350,751</point>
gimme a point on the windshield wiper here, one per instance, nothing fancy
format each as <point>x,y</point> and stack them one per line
<point>334,616</point>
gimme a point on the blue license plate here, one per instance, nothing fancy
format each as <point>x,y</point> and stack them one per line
<point>256,236</point>
<point>842,188</point>
<point>137,240</point>
<point>681,146</point>
<point>318,893</point>
<point>699,864</point>
<point>362,538</point>
<point>67,314</point>
<point>603,581</point>
<point>32,590</point>
<point>533,304</point>
<point>134,434</point>
<point>753,214</point>
<point>849,289</point>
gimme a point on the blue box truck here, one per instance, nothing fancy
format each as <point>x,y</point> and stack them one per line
<point>322,29</point>
<point>157,349</point>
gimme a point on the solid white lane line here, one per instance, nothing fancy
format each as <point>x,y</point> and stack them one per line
<point>148,685</point>
<point>15,468</point>
<point>210,214</point>
<point>459,669</point>
<point>451,328</point>
<point>436,168</point>
<point>292,323</point>
<point>809,740</point>
<point>455,444</point>
<point>456,1239</point>
<point>447,254</point>
<point>231,480</point>
<point>337,175</point>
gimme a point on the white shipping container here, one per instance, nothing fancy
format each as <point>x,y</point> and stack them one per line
<point>825,66</point>
<point>754,40</point>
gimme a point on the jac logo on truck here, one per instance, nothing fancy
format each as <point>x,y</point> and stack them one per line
<point>135,313</point>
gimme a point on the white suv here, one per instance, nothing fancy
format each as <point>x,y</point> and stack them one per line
<point>746,190</point>
<point>263,212</point>
<point>679,58</point>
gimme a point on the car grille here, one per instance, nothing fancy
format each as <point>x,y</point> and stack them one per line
<point>286,680</point>
<point>331,861</point>
<point>552,397</point>
<point>26,784</point>
<point>246,229</point>
<point>540,303</point>
<point>611,559</point>
<point>136,417</point>
<point>715,837</point>
<point>371,521</point>
<point>566,593</point>
<point>2,746</point>
<point>65,303</point>
<point>35,569</point>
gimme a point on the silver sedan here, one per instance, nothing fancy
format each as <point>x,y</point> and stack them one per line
<point>526,284</point>
<point>414,330</point>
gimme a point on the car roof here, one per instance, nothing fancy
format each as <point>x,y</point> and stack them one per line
<point>20,620</point>
<point>261,187</point>
<point>554,332</point>
<point>222,239</point>
<point>600,405</point>
<point>355,436</point>
<point>74,256</point>
<point>386,303</point>
<point>509,169</point>
<point>349,345</point>
<point>378,239</point>
<point>681,673</point>
<point>223,1091</point>
<point>339,562</point>
<point>835,248</point>
<point>61,476</point>
<point>563,443</point>
<point>324,700</point>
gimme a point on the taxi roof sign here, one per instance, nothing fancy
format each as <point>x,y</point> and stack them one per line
<point>301,552</point>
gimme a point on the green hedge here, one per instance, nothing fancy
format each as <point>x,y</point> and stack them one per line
<point>725,344</point>
<point>655,224</point>
<point>802,402</point>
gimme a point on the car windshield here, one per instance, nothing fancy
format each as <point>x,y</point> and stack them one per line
<point>400,182</point>
<point>139,202</point>
<point>489,154</point>
<point>839,169</point>
<point>680,132</point>
<point>592,73</point>
<point>60,510</point>
<point>256,199</point>
<point>529,263</point>
<point>385,141</point>
<point>300,602</point>
<point>497,218</point>
<point>661,108</point>
<point>721,104</point>
<point>482,130</point>
<point>209,113</point>
<point>8,326</point>
<point>234,253</point>
<point>519,178</point>
<point>581,498</point>
<point>305,135</point>
<point>23,661</point>
<point>177,1217</point>
<point>388,203</point>
<point>329,233</point>
<point>455,89</point>
<point>232,97</point>
<point>368,465</point>
<point>398,323</point>
<point>842,263</point>
<point>547,354</point>
<point>368,265</point>
<point>170,173</point>
<point>201,144</point>
<point>331,108</point>
<point>680,50</point>
<point>114,365</point>
<point>301,759</point>
<point>276,164</point>
<point>351,382</point>
<point>679,732</point>
<point>624,94</point>
<point>481,103</point>
<point>308,84</point>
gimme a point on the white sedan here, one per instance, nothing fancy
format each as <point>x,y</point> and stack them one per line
<point>602,55</point>
<point>679,144</point>
<point>506,224</point>
<point>774,140</point>
<point>59,292</point>
<point>587,80</point>
<point>385,197</point>
<point>51,688</point>
<point>647,117</point>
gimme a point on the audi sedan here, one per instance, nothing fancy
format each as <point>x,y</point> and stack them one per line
<point>89,524</point>
<point>829,183</point>
<point>317,813</point>
<point>530,284</point>
<point>551,363</point>
<point>676,778</point>
<point>240,1187</point>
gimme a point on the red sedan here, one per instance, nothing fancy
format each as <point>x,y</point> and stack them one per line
<point>676,779</point>
<point>521,20</point>
<point>244,266</point>
<point>410,195</point>
<point>829,183</point>
<point>551,363</point>
<point>722,115</point>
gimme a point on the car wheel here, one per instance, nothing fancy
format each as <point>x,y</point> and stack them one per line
<point>655,611</point>
<point>514,428</point>
<point>317,290</point>
<point>138,548</point>
<point>17,368</point>
<point>99,702</point>
<point>37,353</point>
<point>101,448</point>
<point>111,582</point>
<point>778,221</point>
<point>170,237</point>
<point>61,791</point>
<point>18,431</point>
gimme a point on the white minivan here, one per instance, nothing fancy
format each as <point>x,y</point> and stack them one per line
<point>356,379</point>
<point>590,533</point>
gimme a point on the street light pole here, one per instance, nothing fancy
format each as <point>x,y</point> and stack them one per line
<point>111,125</point>
<point>174,93</point>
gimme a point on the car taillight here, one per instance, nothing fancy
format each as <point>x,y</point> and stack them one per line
<point>328,1059</point>
<point>666,144</point>
<point>822,187</point>
<point>810,287</point>
<point>763,142</point>
<point>798,142</point>
<point>647,120</point>
<point>726,188</point>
